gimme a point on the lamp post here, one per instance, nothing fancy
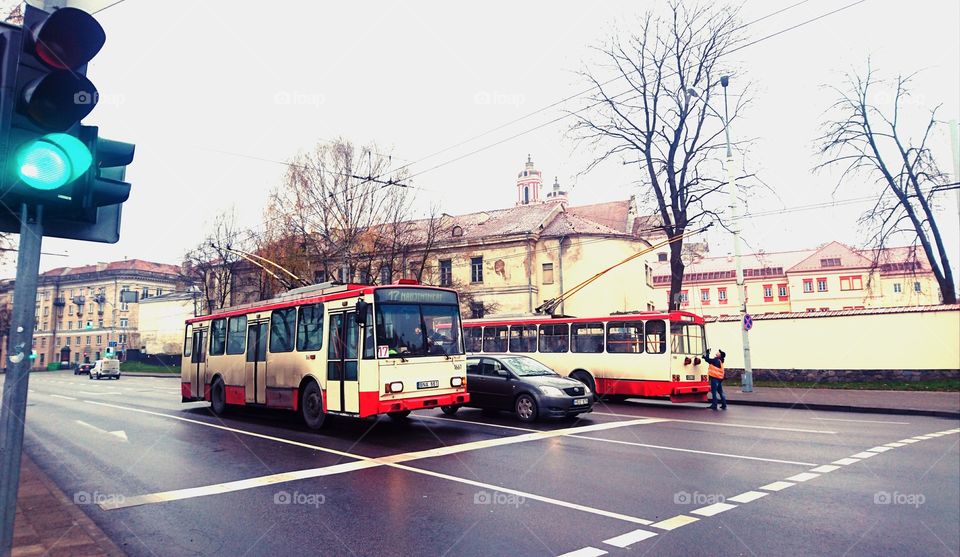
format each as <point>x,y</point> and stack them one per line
<point>746,384</point>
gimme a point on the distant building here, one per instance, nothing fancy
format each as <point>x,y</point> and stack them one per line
<point>831,277</point>
<point>80,314</point>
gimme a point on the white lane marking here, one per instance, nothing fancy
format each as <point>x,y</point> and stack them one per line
<point>694,451</point>
<point>98,393</point>
<point>825,468</point>
<point>895,445</point>
<point>119,434</point>
<point>393,461</point>
<point>803,477</point>
<point>227,487</point>
<point>864,454</point>
<point>626,540</point>
<point>63,397</point>
<point>585,552</point>
<point>922,437</point>
<point>747,497</point>
<point>675,522</point>
<point>515,428</point>
<point>723,424</point>
<point>777,486</point>
<point>859,421</point>
<point>907,441</point>
<point>713,509</point>
<point>523,494</point>
<point>880,449</point>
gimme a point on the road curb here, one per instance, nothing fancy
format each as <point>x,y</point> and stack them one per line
<point>844,408</point>
<point>138,374</point>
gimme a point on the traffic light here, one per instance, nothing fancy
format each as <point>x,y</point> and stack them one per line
<point>48,158</point>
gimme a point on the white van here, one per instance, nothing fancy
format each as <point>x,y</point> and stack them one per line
<point>106,368</point>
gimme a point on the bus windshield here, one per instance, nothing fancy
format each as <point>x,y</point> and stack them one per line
<point>687,338</point>
<point>418,330</point>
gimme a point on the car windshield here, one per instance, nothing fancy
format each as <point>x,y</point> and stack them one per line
<point>527,367</point>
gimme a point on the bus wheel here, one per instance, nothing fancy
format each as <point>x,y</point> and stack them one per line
<point>218,397</point>
<point>526,408</point>
<point>399,415</point>
<point>311,406</point>
<point>586,379</point>
<point>449,409</point>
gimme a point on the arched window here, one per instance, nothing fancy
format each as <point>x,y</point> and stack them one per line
<point>526,195</point>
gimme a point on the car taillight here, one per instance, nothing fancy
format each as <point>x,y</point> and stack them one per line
<point>456,381</point>
<point>703,378</point>
<point>676,378</point>
<point>395,387</point>
<point>696,361</point>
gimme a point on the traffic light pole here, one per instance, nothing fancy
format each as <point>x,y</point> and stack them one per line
<point>14,408</point>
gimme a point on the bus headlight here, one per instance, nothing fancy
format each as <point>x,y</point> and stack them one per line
<point>456,381</point>
<point>395,387</point>
<point>550,391</point>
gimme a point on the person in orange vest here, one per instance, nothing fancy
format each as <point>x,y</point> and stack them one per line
<point>716,379</point>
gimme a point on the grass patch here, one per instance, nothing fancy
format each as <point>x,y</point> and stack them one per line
<point>148,368</point>
<point>931,385</point>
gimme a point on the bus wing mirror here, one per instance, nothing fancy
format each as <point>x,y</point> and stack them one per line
<point>362,308</point>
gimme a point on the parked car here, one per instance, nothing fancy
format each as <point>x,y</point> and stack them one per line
<point>523,385</point>
<point>106,368</point>
<point>83,369</point>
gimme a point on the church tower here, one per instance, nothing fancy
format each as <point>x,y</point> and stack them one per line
<point>528,185</point>
<point>557,195</point>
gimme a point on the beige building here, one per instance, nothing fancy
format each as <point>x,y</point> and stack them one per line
<point>80,315</point>
<point>829,278</point>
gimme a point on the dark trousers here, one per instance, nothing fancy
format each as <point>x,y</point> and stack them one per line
<point>716,386</point>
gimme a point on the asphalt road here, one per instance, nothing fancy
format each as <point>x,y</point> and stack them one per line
<point>165,478</point>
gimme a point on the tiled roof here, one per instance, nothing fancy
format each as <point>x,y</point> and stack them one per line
<point>721,268</point>
<point>830,256</point>
<point>125,265</point>
<point>614,214</point>
<point>565,224</point>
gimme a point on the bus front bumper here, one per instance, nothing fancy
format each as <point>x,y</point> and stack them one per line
<point>419,403</point>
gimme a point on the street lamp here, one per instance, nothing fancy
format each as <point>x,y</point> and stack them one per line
<point>747,379</point>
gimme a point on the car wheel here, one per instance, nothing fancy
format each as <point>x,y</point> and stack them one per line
<point>401,415</point>
<point>449,409</point>
<point>526,408</point>
<point>218,397</point>
<point>311,406</point>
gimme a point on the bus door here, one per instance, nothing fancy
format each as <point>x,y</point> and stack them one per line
<point>255,368</point>
<point>343,386</point>
<point>198,362</point>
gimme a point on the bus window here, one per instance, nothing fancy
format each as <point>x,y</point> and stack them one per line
<point>218,337</point>
<point>656,337</point>
<point>625,337</point>
<point>442,329</point>
<point>474,338</point>
<point>237,335</point>
<point>310,328</point>
<point>554,338</point>
<point>495,339</point>
<point>282,323</point>
<point>587,337</point>
<point>369,346</point>
<point>686,338</point>
<point>523,338</point>
<point>187,342</point>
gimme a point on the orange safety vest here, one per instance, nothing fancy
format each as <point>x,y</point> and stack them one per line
<point>715,371</point>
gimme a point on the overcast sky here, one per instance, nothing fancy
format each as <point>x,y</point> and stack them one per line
<point>207,90</point>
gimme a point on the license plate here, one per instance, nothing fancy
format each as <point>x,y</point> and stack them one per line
<point>428,384</point>
<point>581,401</point>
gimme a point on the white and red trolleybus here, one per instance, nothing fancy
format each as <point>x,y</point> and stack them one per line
<point>351,350</point>
<point>647,354</point>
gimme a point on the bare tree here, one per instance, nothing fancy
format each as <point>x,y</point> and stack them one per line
<point>646,114</point>
<point>214,265</point>
<point>869,139</point>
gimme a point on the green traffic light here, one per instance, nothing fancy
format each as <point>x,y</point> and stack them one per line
<point>52,161</point>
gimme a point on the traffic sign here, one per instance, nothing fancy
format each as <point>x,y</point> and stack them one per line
<point>747,322</point>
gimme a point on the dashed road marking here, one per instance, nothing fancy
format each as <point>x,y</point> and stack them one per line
<point>723,424</point>
<point>864,454</point>
<point>880,449</point>
<point>63,397</point>
<point>825,468</point>
<point>585,552</point>
<point>661,447</point>
<point>803,477</point>
<point>859,421</point>
<point>626,540</point>
<point>908,441</point>
<point>675,522</point>
<point>713,509</point>
<point>747,497</point>
<point>777,486</point>
<point>895,445</point>
<point>923,437</point>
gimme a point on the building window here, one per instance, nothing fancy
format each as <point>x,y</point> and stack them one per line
<point>648,270</point>
<point>124,321</point>
<point>854,282</point>
<point>43,342</point>
<point>767,292</point>
<point>446,272</point>
<point>722,295</point>
<point>684,298</point>
<point>916,287</point>
<point>99,340</point>
<point>476,269</point>
<point>46,311</point>
<point>477,310</point>
<point>830,262</point>
<point>782,292</point>
<point>88,340</point>
<point>67,341</point>
<point>159,291</point>
<point>821,284</point>
<point>807,285</point>
<point>897,288</point>
<point>548,273</point>
<point>124,306</point>
<point>70,309</point>
<point>69,325</point>
<point>705,295</point>
<point>121,339</point>
<point>99,323</point>
<point>386,274</point>
<point>662,256</point>
<point>145,293</point>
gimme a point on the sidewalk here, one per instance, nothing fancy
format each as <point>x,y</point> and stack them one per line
<point>49,523</point>
<point>917,403</point>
